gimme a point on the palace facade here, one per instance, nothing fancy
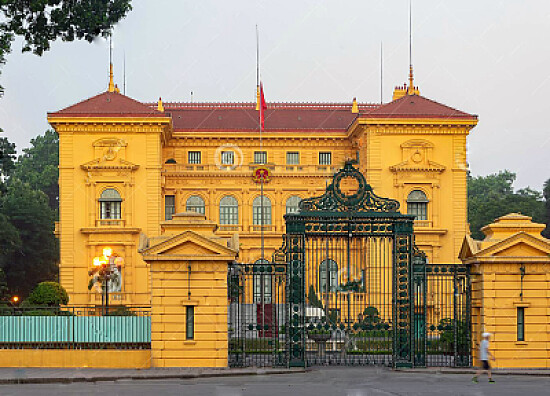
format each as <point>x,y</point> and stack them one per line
<point>127,167</point>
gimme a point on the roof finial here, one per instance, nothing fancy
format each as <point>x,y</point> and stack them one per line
<point>354,106</point>
<point>160,106</point>
<point>410,90</point>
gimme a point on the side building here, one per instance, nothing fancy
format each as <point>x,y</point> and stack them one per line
<point>127,167</point>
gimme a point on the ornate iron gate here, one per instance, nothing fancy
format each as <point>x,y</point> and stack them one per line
<point>342,290</point>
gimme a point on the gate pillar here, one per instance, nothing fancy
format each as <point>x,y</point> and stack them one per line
<point>188,266</point>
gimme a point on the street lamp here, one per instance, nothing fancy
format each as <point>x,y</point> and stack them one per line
<point>105,269</point>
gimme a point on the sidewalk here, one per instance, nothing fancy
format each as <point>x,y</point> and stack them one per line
<point>60,375</point>
<point>495,371</point>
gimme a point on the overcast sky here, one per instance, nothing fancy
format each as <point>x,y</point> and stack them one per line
<point>490,58</point>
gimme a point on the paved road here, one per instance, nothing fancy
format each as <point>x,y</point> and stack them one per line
<point>350,381</point>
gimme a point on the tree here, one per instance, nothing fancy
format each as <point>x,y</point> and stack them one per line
<point>50,294</point>
<point>38,166</point>
<point>40,22</point>
<point>492,196</point>
<point>546,192</point>
<point>36,258</point>
<point>7,160</point>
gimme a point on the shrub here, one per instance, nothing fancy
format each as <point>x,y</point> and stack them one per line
<point>50,294</point>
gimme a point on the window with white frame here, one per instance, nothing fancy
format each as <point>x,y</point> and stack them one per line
<point>194,157</point>
<point>228,157</point>
<point>110,204</point>
<point>257,204</point>
<point>293,158</point>
<point>260,157</point>
<point>417,205</point>
<point>325,158</point>
<point>195,204</point>
<point>328,276</point>
<point>293,204</point>
<point>229,210</point>
<point>262,284</point>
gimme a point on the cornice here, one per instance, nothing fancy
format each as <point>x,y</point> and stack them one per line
<point>110,230</point>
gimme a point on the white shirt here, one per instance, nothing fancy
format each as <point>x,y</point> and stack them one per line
<point>484,350</point>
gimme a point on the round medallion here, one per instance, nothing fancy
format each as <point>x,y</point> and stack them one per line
<point>349,188</point>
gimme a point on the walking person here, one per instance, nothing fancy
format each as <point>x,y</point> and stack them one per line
<point>484,355</point>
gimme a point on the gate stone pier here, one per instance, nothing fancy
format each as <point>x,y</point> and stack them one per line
<point>188,266</point>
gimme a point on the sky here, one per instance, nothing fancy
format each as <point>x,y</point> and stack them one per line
<point>490,58</point>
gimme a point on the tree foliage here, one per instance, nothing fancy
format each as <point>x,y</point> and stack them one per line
<point>50,294</point>
<point>492,196</point>
<point>38,166</point>
<point>35,259</point>
<point>40,22</point>
<point>7,160</point>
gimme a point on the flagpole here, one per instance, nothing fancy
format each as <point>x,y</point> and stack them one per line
<point>260,108</point>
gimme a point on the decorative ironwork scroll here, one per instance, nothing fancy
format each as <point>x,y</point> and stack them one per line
<point>359,196</point>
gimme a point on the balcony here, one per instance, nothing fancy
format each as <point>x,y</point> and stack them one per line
<point>109,223</point>
<point>423,223</point>
<point>258,228</point>
<point>247,169</point>
<point>229,227</point>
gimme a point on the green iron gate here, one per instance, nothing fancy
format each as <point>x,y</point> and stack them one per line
<point>348,287</point>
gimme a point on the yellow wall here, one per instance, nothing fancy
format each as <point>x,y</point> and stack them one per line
<point>95,154</point>
<point>70,358</point>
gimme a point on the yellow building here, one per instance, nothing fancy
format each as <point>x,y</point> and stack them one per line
<point>125,167</point>
<point>510,291</point>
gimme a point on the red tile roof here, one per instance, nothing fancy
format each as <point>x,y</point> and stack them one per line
<point>278,116</point>
<point>416,106</point>
<point>108,104</point>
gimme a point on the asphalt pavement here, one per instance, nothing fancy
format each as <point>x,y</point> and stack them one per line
<point>333,381</point>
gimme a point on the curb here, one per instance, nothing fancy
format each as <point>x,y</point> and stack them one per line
<point>68,380</point>
<point>473,371</point>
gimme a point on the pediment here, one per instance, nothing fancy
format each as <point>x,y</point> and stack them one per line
<point>518,245</point>
<point>104,164</point>
<point>189,243</point>
<point>412,166</point>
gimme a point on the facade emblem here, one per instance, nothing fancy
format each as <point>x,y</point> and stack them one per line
<point>261,174</point>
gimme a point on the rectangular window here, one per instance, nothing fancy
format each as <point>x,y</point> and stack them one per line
<point>325,158</point>
<point>110,210</point>
<point>262,288</point>
<point>260,157</point>
<point>190,322</point>
<point>419,209</point>
<point>169,206</point>
<point>293,158</point>
<point>194,157</point>
<point>521,324</point>
<point>228,157</point>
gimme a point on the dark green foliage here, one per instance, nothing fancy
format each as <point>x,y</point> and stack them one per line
<point>7,160</point>
<point>40,22</point>
<point>51,294</point>
<point>38,166</point>
<point>33,259</point>
<point>490,197</point>
<point>546,192</point>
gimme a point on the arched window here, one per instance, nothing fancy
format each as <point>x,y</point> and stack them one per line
<point>257,213</point>
<point>170,161</point>
<point>292,204</point>
<point>110,204</point>
<point>262,284</point>
<point>417,204</point>
<point>195,204</point>
<point>329,272</point>
<point>229,210</point>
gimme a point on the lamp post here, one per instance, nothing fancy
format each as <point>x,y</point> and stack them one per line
<point>103,271</point>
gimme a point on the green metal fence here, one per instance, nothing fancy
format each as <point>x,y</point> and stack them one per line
<point>75,328</point>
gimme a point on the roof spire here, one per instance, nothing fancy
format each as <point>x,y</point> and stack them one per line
<point>111,82</point>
